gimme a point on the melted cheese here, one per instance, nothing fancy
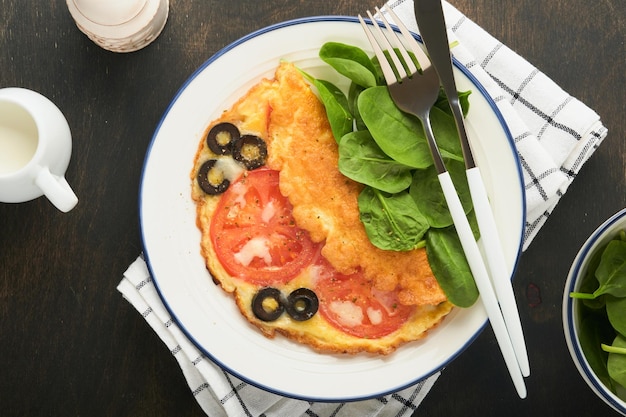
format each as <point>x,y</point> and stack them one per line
<point>257,247</point>
<point>375,316</point>
<point>230,168</point>
<point>239,190</point>
<point>349,314</point>
<point>268,212</point>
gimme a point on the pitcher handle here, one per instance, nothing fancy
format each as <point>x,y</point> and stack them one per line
<point>56,189</point>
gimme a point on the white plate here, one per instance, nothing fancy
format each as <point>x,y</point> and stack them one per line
<point>171,240</point>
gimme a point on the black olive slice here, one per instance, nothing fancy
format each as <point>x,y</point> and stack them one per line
<point>221,138</point>
<point>211,179</point>
<point>251,151</point>
<point>267,304</point>
<point>302,304</point>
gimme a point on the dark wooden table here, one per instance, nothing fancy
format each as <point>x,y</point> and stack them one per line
<point>71,345</point>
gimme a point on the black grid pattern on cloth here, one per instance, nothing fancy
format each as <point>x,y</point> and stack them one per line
<point>408,404</point>
<point>515,95</point>
<point>407,401</point>
<point>236,386</point>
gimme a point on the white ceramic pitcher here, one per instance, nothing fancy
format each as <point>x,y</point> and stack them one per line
<point>35,149</point>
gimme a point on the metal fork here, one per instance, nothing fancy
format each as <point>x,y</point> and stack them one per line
<point>415,91</point>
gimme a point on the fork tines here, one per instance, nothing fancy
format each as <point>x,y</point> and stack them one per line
<point>403,64</point>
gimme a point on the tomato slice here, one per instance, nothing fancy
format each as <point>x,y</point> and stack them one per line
<point>352,305</point>
<point>254,233</point>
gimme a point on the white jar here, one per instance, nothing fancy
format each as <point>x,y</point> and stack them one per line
<point>120,25</point>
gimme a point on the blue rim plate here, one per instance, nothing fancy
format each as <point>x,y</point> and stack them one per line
<point>171,239</point>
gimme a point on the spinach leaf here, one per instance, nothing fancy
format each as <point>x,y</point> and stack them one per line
<point>446,134</point>
<point>337,109</point>
<point>398,134</point>
<point>349,61</point>
<point>616,311</point>
<point>353,95</point>
<point>442,102</point>
<point>594,330</point>
<point>616,363</point>
<point>362,160</point>
<point>447,260</point>
<point>392,221</point>
<point>336,105</point>
<point>380,77</point>
<point>611,272</point>
<point>589,283</point>
<point>428,196</point>
<point>464,100</point>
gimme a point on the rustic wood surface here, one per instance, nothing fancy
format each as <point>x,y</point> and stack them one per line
<point>71,345</point>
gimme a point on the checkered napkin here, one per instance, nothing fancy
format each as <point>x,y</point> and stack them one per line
<point>554,134</point>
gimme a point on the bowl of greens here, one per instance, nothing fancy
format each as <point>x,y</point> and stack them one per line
<point>594,311</point>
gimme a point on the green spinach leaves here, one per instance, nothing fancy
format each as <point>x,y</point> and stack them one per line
<point>603,314</point>
<point>402,205</point>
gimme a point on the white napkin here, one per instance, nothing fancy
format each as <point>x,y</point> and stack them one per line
<point>554,134</point>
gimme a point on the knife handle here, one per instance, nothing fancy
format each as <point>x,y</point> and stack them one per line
<point>499,272</point>
<point>481,277</point>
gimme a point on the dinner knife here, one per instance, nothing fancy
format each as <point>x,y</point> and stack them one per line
<point>432,28</point>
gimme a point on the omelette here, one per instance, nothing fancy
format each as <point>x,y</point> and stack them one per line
<point>281,231</point>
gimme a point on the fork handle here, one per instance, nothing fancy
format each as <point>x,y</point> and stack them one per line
<point>490,240</point>
<point>481,277</point>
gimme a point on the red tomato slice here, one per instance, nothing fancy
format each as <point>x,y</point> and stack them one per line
<point>254,233</point>
<point>350,304</point>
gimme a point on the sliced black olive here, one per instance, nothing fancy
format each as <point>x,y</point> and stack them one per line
<point>222,137</point>
<point>267,304</point>
<point>302,304</point>
<point>211,179</point>
<point>251,151</point>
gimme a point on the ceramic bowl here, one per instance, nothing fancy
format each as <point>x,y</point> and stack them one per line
<point>572,308</point>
